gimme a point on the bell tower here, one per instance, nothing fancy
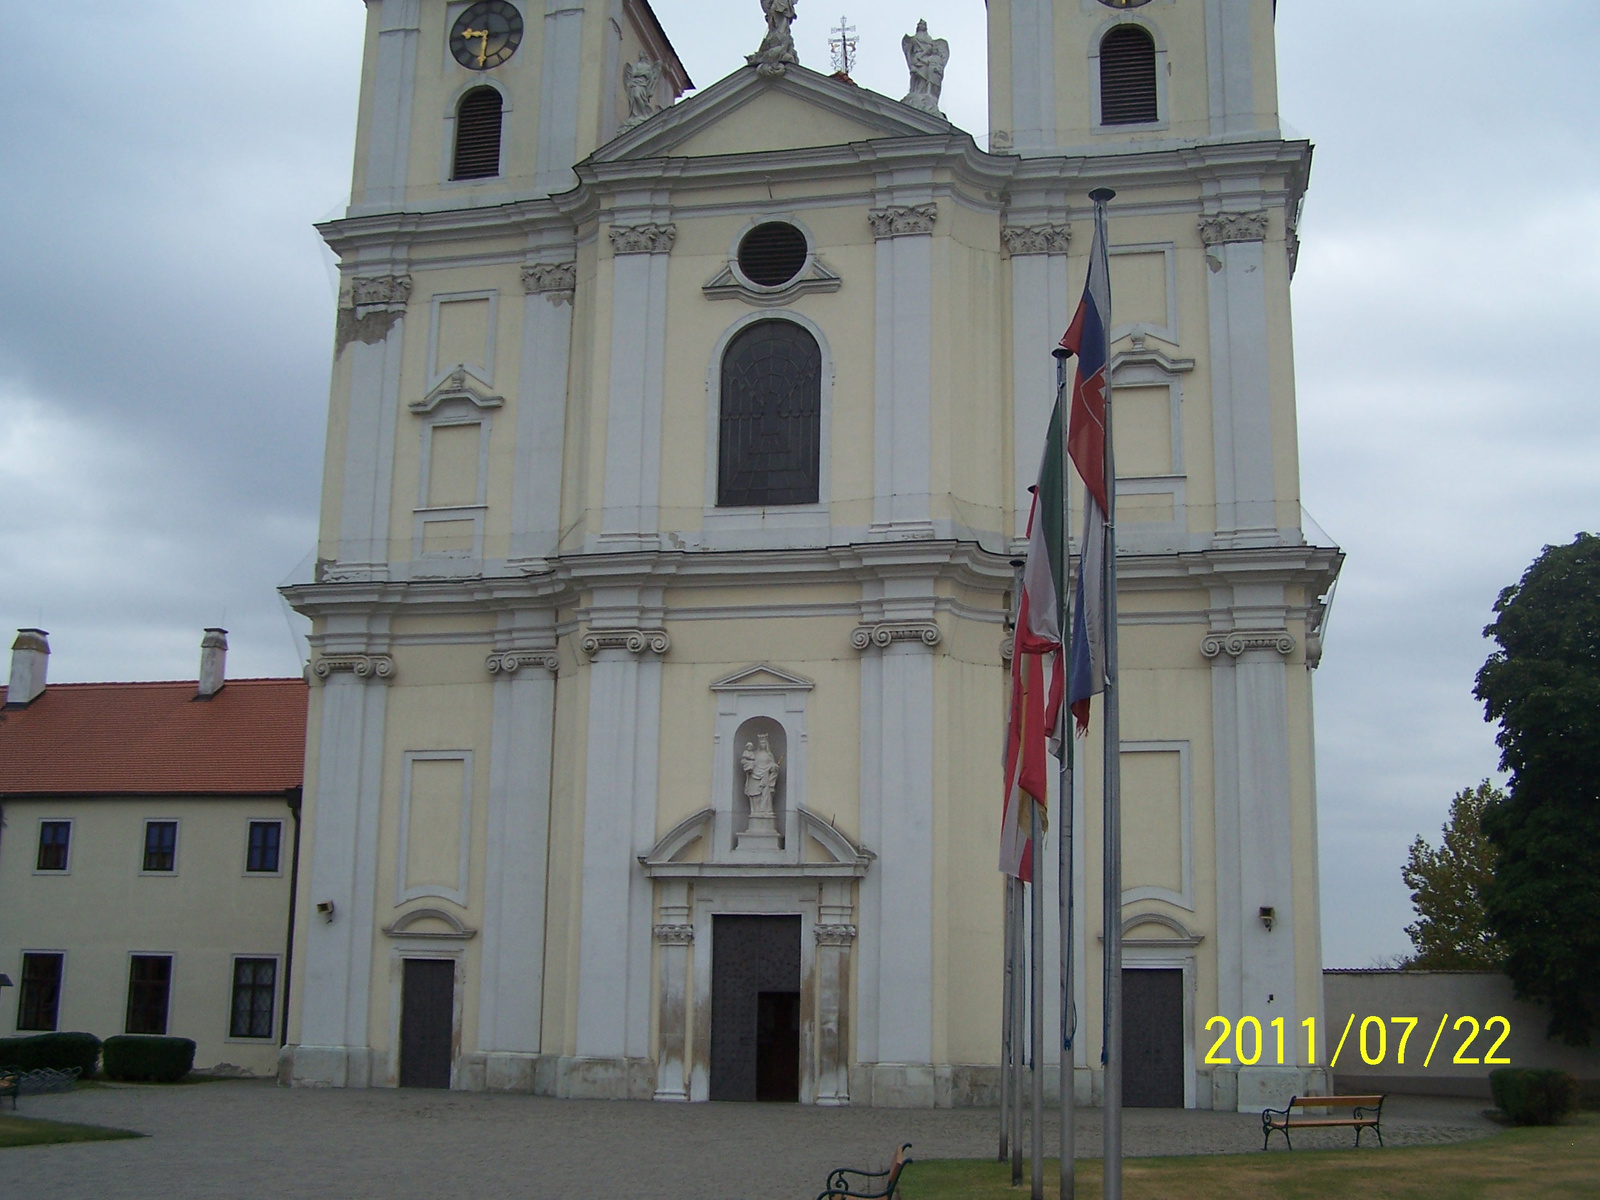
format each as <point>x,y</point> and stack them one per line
<point>1074,75</point>
<point>464,102</point>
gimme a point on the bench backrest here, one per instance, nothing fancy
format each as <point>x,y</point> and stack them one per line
<point>1336,1102</point>
<point>896,1165</point>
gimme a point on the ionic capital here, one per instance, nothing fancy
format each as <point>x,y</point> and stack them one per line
<point>365,667</point>
<point>510,661</point>
<point>1240,640</point>
<point>886,633</point>
<point>634,641</point>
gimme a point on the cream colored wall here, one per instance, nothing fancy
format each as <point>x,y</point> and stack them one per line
<point>104,909</point>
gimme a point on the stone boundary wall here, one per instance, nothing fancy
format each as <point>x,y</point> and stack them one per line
<point>1428,996</point>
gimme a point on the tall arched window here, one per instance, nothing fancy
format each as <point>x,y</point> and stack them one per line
<point>478,135</point>
<point>771,423</point>
<point>1128,77</point>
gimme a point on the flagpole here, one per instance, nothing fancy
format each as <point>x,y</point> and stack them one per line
<point>1019,1002</point>
<point>1036,980</point>
<point>1008,1031</point>
<point>1111,902</point>
<point>1069,1139</point>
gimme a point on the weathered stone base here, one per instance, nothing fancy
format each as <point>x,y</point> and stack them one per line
<point>605,1078</point>
<point>1273,1087</point>
<point>325,1066</point>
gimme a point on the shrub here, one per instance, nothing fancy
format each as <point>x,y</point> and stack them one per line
<point>137,1058</point>
<point>52,1051</point>
<point>1534,1097</point>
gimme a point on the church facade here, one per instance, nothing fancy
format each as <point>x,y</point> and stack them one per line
<point>678,450</point>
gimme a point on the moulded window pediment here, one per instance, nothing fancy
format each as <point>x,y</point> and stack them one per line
<point>456,387</point>
<point>763,677</point>
<point>429,923</point>
<point>729,284</point>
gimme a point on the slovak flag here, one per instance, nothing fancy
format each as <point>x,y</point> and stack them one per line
<point>1086,443</point>
<point>1037,683</point>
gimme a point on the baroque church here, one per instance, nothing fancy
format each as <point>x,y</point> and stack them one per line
<point>679,446</point>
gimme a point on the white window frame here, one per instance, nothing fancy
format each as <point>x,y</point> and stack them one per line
<point>246,871</point>
<point>72,834</point>
<point>1163,111</point>
<point>61,987</point>
<point>172,986</point>
<point>277,1000</point>
<point>177,845</point>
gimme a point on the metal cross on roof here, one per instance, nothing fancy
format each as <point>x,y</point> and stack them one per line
<point>842,41</point>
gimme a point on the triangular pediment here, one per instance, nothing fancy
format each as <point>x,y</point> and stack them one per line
<point>748,114</point>
<point>763,677</point>
<point>459,385</point>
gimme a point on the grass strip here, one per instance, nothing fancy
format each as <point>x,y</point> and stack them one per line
<point>1551,1164</point>
<point>26,1131</point>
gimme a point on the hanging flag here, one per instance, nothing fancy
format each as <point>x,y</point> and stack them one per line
<point>1037,683</point>
<point>1086,443</point>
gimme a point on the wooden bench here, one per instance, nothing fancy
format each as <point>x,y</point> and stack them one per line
<point>10,1083</point>
<point>1366,1113</point>
<point>839,1179</point>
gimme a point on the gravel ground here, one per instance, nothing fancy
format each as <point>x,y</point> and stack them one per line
<point>250,1139</point>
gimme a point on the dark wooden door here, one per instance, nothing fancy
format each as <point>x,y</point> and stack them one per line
<point>755,1008</point>
<point>1152,1039</point>
<point>426,1004</point>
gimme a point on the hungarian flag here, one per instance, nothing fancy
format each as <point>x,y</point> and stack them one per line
<point>1086,443</point>
<point>1036,670</point>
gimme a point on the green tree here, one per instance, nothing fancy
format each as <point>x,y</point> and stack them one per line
<point>1447,886</point>
<point>1543,686</point>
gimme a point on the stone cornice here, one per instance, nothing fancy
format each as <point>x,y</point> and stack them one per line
<point>509,662</point>
<point>884,634</point>
<point>634,641</point>
<point>365,667</point>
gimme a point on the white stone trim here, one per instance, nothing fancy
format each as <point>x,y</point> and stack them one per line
<point>902,422</point>
<point>1183,898</point>
<point>370,420</point>
<point>1033,79</point>
<point>438,372</point>
<point>784,524</point>
<point>637,373</point>
<point>1169,332</point>
<point>559,89</point>
<point>1230,84</point>
<point>38,835</point>
<point>767,698</point>
<point>814,275</point>
<point>389,122</point>
<point>457,894</point>
<point>452,112</point>
<point>177,845</point>
<point>542,412</point>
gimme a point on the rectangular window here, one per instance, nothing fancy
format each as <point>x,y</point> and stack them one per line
<point>265,837</point>
<point>255,983</point>
<point>39,998</point>
<point>54,837</point>
<point>149,987</point>
<point>160,846</point>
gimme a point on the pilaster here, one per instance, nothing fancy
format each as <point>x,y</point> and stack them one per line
<point>377,314</point>
<point>389,123</point>
<point>1040,312</point>
<point>1033,78</point>
<point>902,426</point>
<point>542,406</point>
<point>674,935</point>
<point>560,87</point>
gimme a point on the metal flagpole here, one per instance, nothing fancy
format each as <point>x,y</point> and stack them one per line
<point>1019,1003</point>
<point>1005,1028</point>
<point>1036,979</point>
<point>1111,903</point>
<point>1069,1140</point>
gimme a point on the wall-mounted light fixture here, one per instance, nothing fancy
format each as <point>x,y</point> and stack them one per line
<point>325,907</point>
<point>1268,916</point>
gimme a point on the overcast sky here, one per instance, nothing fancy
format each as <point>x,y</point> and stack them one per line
<point>166,321</point>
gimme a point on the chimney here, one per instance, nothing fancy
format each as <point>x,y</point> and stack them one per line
<point>213,662</point>
<point>30,657</point>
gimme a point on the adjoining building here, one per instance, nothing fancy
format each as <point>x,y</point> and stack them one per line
<point>147,851</point>
<point>677,452</point>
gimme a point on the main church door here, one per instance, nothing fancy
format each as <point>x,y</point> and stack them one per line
<point>755,1008</point>
<point>427,998</point>
<point>1152,1038</point>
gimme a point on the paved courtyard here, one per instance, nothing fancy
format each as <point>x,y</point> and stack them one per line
<point>250,1139</point>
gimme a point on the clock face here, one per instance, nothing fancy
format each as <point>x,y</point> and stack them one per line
<point>486,35</point>
<point>1124,3</point>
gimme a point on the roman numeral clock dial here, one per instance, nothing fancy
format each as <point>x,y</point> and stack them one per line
<point>486,35</point>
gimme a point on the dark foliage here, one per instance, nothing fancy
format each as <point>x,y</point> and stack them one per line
<point>52,1051</point>
<point>1447,886</point>
<point>137,1058</point>
<point>1534,1097</point>
<point>1543,687</point>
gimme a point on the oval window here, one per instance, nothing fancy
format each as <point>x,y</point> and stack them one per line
<point>772,254</point>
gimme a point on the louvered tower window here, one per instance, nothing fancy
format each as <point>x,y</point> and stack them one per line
<point>769,449</point>
<point>478,135</point>
<point>1128,77</point>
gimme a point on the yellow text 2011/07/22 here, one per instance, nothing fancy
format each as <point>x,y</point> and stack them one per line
<point>1250,1042</point>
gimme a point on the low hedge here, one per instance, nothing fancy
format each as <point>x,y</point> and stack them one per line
<point>136,1058</point>
<point>1534,1097</point>
<point>52,1051</point>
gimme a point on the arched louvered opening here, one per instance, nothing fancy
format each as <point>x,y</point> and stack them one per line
<point>1128,77</point>
<point>770,440</point>
<point>773,254</point>
<point>478,135</point>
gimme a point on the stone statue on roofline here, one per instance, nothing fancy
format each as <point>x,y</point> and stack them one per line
<point>639,80</point>
<point>926,57</point>
<point>777,48</point>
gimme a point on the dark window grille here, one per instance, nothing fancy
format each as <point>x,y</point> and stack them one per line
<point>772,254</point>
<point>478,135</point>
<point>265,837</point>
<point>771,423</point>
<point>39,997</point>
<point>149,985</point>
<point>161,846</point>
<point>255,983</point>
<point>1128,77</point>
<point>53,839</point>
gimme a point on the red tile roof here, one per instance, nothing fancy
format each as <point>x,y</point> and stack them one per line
<point>155,738</point>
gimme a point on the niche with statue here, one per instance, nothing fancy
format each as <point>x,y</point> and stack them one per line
<point>760,749</point>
